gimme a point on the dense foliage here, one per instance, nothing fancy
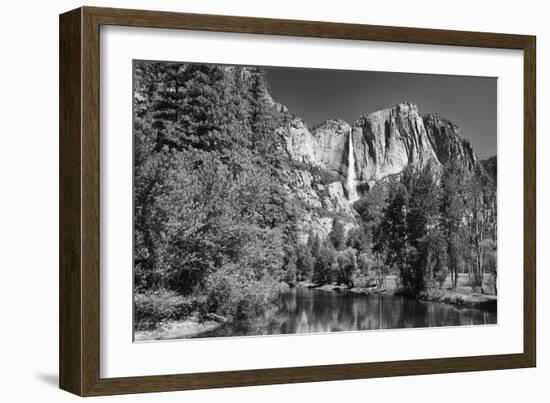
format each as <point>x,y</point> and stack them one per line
<point>426,226</point>
<point>211,217</point>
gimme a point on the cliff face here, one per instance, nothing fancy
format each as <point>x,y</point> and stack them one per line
<point>308,187</point>
<point>384,144</point>
<point>332,145</point>
<point>325,146</point>
<point>387,141</point>
<point>448,145</point>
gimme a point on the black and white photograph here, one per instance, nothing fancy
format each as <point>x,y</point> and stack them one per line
<point>281,200</point>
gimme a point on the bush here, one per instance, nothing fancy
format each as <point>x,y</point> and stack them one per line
<point>153,307</point>
<point>324,176</point>
<point>233,293</point>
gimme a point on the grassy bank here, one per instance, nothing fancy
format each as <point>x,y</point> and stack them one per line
<point>473,300</point>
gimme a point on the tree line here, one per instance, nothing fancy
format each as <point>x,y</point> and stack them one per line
<point>425,227</point>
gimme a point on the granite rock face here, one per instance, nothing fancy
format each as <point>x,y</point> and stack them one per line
<point>384,144</point>
<point>331,145</point>
<point>448,145</point>
<point>387,141</point>
<point>324,146</point>
<point>299,142</point>
<point>307,187</point>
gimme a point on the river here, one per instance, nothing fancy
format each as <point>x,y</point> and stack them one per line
<point>303,310</point>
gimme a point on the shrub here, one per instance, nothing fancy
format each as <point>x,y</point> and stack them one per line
<point>153,307</point>
<point>234,293</point>
<point>324,176</point>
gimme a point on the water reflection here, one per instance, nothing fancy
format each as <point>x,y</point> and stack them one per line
<point>303,310</point>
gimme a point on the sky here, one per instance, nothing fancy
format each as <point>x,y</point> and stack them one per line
<point>316,95</point>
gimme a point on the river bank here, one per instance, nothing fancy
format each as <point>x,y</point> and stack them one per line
<point>344,288</point>
<point>473,300</point>
<point>295,312</point>
<point>331,309</point>
<point>190,327</point>
<point>461,297</point>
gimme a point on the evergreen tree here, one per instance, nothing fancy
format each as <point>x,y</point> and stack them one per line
<point>322,269</point>
<point>358,239</point>
<point>289,264</point>
<point>314,244</point>
<point>393,239</point>
<point>304,263</point>
<point>422,226</point>
<point>337,234</point>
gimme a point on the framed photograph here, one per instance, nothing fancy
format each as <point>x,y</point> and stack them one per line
<point>249,201</point>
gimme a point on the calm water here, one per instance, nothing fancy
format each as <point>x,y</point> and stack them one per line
<point>303,310</point>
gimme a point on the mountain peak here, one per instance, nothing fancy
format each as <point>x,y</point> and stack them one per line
<point>400,109</point>
<point>333,124</point>
<point>406,106</point>
<point>435,118</point>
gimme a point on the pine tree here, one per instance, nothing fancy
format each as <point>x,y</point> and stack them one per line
<point>358,239</point>
<point>322,269</point>
<point>422,226</point>
<point>393,238</point>
<point>304,263</point>
<point>337,234</point>
<point>314,245</point>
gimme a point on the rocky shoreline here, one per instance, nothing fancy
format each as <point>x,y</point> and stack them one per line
<point>460,300</point>
<point>344,288</point>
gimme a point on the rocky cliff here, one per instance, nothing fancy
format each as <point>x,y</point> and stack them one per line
<point>384,144</point>
<point>389,140</point>
<point>324,146</point>
<point>447,144</point>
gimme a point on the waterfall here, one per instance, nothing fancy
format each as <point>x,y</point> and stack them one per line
<point>352,191</point>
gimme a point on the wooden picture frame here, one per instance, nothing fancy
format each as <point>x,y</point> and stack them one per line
<point>79,348</point>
